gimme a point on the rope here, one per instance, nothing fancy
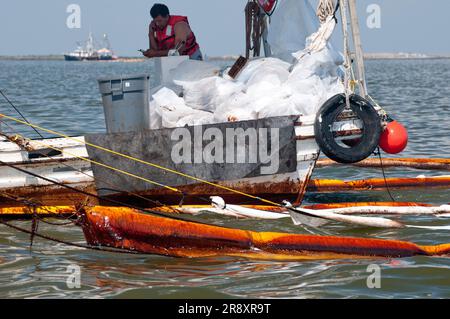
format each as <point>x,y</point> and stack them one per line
<point>115,202</point>
<point>111,189</point>
<point>112,168</point>
<point>68,243</point>
<point>138,208</point>
<point>348,61</point>
<point>34,204</point>
<point>142,162</point>
<point>88,175</point>
<point>384,175</point>
<point>18,111</point>
<point>98,163</point>
<point>254,28</point>
<point>384,117</point>
<point>325,8</point>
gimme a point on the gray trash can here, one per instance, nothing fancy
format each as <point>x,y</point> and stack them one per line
<point>125,102</point>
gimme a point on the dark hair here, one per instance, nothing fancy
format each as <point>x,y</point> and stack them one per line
<point>159,9</point>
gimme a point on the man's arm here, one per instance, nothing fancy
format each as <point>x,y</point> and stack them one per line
<point>182,32</point>
<point>153,51</point>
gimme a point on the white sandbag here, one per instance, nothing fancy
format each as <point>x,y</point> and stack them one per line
<point>170,107</point>
<point>247,105</point>
<point>155,116</point>
<point>237,108</point>
<point>311,93</point>
<point>261,65</point>
<point>323,64</point>
<point>272,74</point>
<point>280,108</point>
<point>197,117</point>
<point>208,93</point>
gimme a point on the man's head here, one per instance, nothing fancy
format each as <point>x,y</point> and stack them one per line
<point>160,14</point>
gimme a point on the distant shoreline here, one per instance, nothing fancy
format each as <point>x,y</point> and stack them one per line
<point>54,57</point>
<point>404,56</point>
<point>367,56</point>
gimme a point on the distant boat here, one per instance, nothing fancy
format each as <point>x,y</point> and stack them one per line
<point>88,52</point>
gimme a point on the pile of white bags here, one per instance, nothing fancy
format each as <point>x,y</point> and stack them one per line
<point>266,87</point>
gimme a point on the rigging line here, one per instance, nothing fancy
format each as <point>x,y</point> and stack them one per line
<point>201,198</point>
<point>379,152</point>
<point>69,218</point>
<point>20,113</point>
<point>98,248</point>
<point>90,176</point>
<point>115,202</point>
<point>155,202</point>
<point>384,175</point>
<point>106,182</point>
<point>152,165</point>
<point>24,201</point>
<point>34,205</point>
<point>107,166</point>
<point>114,169</point>
<point>299,211</point>
<point>144,162</point>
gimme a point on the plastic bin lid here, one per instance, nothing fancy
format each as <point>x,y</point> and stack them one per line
<point>123,77</point>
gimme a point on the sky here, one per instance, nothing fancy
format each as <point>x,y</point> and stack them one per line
<point>39,27</point>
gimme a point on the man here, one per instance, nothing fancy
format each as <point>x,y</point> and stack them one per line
<point>171,35</point>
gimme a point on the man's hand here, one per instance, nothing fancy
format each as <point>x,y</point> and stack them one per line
<point>173,52</point>
<point>150,53</point>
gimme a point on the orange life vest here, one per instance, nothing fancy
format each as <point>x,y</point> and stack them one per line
<point>165,39</point>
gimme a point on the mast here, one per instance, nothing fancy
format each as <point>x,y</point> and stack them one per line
<point>106,42</point>
<point>359,55</point>
<point>90,44</point>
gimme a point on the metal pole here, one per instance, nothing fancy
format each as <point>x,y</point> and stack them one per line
<point>361,76</point>
<point>347,53</point>
<point>266,45</point>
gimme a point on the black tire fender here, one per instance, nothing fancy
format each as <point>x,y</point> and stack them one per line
<point>371,129</point>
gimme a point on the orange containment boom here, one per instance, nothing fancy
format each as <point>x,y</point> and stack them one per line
<point>335,185</point>
<point>128,229</point>
<point>417,163</point>
<point>47,211</point>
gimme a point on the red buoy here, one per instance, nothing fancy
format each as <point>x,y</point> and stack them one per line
<point>394,138</point>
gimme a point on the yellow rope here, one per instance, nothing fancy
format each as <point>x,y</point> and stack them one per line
<point>353,84</point>
<point>140,161</point>
<point>104,165</point>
